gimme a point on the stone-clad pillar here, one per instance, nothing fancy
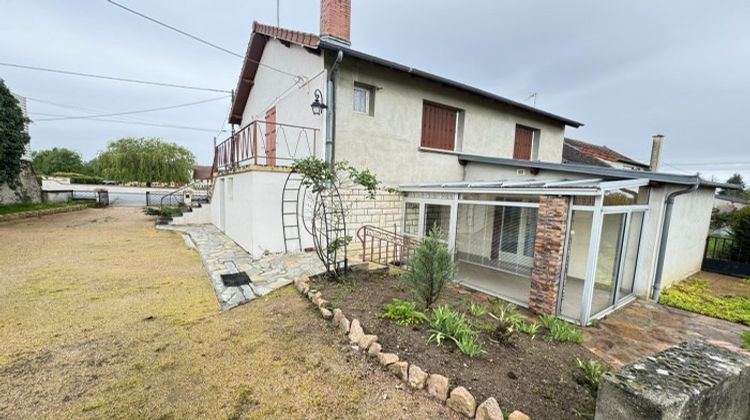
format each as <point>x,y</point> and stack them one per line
<point>549,249</point>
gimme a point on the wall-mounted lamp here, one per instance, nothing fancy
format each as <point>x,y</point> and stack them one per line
<point>318,106</point>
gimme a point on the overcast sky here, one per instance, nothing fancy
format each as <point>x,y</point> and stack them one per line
<point>627,69</point>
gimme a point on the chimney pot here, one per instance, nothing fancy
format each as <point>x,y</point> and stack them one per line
<point>335,20</point>
<point>656,143</point>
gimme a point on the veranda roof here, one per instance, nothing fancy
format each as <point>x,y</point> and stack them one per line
<point>590,186</point>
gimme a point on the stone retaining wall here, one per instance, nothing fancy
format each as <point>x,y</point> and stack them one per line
<point>437,386</point>
<point>694,380</point>
<point>39,213</point>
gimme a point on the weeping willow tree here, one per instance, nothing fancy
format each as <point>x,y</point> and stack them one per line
<point>145,160</point>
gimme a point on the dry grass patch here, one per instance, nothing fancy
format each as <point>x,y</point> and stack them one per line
<point>105,317</point>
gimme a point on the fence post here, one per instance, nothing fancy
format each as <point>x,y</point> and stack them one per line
<point>255,143</point>
<point>148,198</point>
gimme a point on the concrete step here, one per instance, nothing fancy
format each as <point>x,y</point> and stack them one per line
<point>369,266</point>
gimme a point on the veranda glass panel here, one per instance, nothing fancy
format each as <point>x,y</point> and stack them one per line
<point>631,254</point>
<point>437,216</point>
<point>608,262</point>
<point>495,248</point>
<point>578,253</point>
<point>411,219</point>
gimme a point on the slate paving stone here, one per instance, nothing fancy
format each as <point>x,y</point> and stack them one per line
<point>221,255</point>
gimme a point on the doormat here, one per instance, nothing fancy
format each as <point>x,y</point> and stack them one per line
<point>235,279</point>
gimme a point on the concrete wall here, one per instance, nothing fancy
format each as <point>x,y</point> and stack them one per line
<point>388,142</point>
<point>291,98</point>
<point>57,196</point>
<point>251,205</point>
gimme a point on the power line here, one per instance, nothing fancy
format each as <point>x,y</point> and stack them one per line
<point>182,127</point>
<point>114,114</point>
<point>158,22</point>
<point>201,40</point>
<point>119,79</point>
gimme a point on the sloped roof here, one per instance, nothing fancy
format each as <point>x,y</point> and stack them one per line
<point>577,151</point>
<point>202,172</point>
<point>262,33</point>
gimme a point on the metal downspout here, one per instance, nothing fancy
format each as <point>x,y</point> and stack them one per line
<point>665,235</point>
<point>331,110</point>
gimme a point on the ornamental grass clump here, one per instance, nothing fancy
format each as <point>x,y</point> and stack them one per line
<point>447,323</point>
<point>509,321</point>
<point>431,268</point>
<point>559,330</point>
<point>590,374</point>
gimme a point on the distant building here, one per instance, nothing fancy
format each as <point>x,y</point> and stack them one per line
<point>729,203</point>
<point>22,102</point>
<point>202,174</point>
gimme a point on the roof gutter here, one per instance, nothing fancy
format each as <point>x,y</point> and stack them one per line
<point>665,236</point>
<point>331,110</point>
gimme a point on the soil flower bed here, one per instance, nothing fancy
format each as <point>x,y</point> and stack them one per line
<point>531,373</point>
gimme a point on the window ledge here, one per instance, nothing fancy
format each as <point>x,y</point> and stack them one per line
<point>443,151</point>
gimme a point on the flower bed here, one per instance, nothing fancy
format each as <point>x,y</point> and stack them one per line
<point>532,374</point>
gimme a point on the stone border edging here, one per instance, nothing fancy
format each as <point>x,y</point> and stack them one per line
<point>43,212</point>
<point>459,399</point>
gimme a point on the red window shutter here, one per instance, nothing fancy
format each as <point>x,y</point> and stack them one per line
<point>522,148</point>
<point>438,127</point>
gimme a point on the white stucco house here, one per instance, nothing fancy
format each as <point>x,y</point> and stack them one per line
<point>525,224</point>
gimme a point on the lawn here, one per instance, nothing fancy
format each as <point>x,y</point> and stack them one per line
<point>22,207</point>
<point>114,319</point>
<point>719,298</point>
<point>534,371</point>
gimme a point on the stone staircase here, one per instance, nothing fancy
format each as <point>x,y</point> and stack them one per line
<point>198,215</point>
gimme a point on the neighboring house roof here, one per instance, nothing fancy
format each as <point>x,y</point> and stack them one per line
<point>596,170</point>
<point>732,199</point>
<point>581,152</point>
<point>261,34</point>
<point>202,172</point>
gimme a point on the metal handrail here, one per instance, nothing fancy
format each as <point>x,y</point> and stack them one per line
<point>386,247</point>
<point>248,145</point>
<point>208,190</point>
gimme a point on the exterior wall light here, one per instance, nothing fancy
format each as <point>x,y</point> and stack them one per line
<point>318,106</point>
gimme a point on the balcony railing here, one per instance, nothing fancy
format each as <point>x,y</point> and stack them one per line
<point>266,143</point>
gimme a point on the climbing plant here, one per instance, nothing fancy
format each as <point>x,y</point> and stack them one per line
<point>327,223</point>
<point>13,136</point>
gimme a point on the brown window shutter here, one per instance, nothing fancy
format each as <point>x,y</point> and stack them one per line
<point>522,148</point>
<point>438,127</point>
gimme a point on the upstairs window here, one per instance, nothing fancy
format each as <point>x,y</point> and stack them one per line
<point>439,127</point>
<point>363,99</point>
<point>526,143</point>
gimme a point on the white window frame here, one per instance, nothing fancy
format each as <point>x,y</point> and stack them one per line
<point>422,202</point>
<point>368,99</point>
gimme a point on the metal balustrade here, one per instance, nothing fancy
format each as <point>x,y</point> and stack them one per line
<point>385,247</point>
<point>265,143</point>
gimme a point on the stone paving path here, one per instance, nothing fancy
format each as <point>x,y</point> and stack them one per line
<point>221,255</point>
<point>645,327</point>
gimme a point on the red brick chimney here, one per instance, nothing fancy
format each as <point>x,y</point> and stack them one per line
<point>336,20</point>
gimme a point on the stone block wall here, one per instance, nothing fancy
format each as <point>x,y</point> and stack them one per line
<point>384,211</point>
<point>549,249</point>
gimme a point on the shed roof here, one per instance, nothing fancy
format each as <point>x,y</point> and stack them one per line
<point>561,186</point>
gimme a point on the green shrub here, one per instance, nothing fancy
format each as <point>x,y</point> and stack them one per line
<point>164,211</point>
<point>76,178</point>
<point>431,267</point>
<point>529,329</point>
<point>447,323</point>
<point>559,330</point>
<point>694,295</point>
<point>477,310</point>
<point>403,312</point>
<point>590,373</point>
<point>745,337</point>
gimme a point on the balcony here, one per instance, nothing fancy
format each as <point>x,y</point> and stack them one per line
<point>266,143</point>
